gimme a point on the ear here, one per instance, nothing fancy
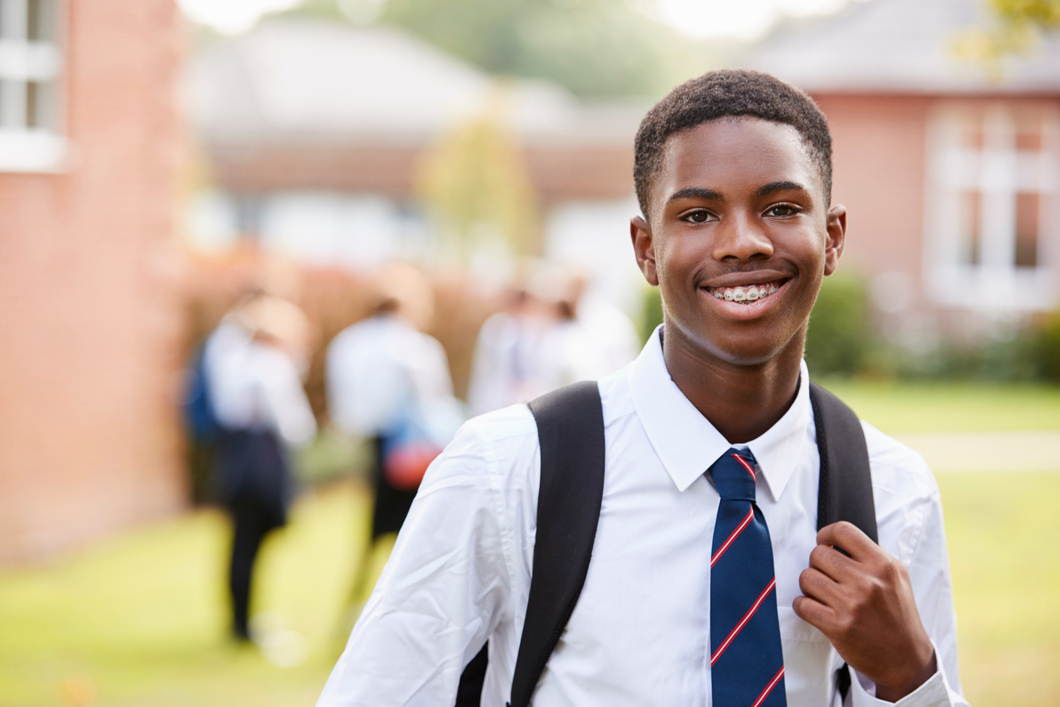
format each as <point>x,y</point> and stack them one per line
<point>644,248</point>
<point>837,237</point>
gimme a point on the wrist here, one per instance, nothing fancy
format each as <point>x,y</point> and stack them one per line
<point>898,690</point>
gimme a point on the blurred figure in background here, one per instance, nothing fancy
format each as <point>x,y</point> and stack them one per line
<point>507,351</point>
<point>254,361</point>
<point>389,382</point>
<point>588,339</point>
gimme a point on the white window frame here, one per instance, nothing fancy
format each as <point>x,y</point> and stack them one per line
<point>25,148</point>
<point>998,172</point>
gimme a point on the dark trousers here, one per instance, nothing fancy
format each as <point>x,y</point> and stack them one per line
<point>254,479</point>
<point>250,529</point>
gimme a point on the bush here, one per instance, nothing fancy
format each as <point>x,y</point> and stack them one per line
<point>838,341</point>
<point>1047,348</point>
<point>651,312</point>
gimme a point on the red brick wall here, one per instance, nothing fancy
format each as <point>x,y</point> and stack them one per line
<point>879,164</point>
<point>89,299</point>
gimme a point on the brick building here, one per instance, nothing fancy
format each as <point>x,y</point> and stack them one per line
<point>90,152</point>
<point>314,134</point>
<point>950,172</point>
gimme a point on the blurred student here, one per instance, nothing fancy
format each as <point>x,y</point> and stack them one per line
<point>255,361</point>
<point>588,338</point>
<point>389,382</point>
<point>504,368</point>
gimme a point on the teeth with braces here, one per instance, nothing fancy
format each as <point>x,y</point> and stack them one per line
<point>745,294</point>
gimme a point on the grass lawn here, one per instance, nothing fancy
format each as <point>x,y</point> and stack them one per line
<point>1001,530</point>
<point>140,620</point>
<point>896,407</point>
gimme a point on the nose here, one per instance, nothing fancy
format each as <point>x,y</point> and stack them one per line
<point>741,237</point>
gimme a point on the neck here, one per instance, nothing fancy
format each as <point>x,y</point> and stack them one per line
<point>741,401</point>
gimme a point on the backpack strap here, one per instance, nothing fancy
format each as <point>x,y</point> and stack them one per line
<point>845,489</point>
<point>571,432</point>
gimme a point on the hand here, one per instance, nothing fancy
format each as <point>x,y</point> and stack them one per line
<point>863,603</point>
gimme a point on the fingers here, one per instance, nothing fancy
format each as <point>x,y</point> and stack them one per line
<point>849,538</point>
<point>820,616</point>
<point>831,561</point>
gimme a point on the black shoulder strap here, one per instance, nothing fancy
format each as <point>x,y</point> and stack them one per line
<point>570,429</point>
<point>571,432</point>
<point>845,489</point>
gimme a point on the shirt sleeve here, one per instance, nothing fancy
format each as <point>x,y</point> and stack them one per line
<point>442,592</point>
<point>285,400</point>
<point>929,574</point>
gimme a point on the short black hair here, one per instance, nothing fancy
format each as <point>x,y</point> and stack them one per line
<point>723,94</point>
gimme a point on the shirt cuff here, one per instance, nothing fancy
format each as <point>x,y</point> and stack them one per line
<point>933,693</point>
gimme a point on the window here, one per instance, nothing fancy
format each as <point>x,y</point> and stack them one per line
<point>993,238</point>
<point>30,86</point>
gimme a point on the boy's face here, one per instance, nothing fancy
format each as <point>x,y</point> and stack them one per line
<point>739,240</point>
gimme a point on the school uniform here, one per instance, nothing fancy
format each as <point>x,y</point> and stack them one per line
<point>639,634</point>
<point>262,408</point>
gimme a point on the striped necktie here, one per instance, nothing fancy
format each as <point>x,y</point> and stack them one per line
<point>746,662</point>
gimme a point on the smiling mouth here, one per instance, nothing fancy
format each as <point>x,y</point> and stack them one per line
<point>744,294</point>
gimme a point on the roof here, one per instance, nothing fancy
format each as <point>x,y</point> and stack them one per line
<point>303,81</point>
<point>898,46</point>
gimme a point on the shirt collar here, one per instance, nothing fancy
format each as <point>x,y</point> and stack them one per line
<point>688,444</point>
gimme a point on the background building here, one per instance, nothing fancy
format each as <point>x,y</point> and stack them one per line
<point>90,148</point>
<point>950,169</point>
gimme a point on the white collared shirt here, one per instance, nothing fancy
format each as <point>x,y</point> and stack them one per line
<point>639,635</point>
<point>377,368</point>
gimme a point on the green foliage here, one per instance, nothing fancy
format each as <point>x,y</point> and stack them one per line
<point>1016,28</point>
<point>1029,354</point>
<point>651,312</point>
<point>475,184</point>
<point>593,47</point>
<point>1047,348</point>
<point>838,339</point>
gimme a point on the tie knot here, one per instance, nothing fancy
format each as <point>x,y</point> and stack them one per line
<point>734,475</point>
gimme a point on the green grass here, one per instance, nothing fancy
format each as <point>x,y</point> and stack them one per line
<point>897,407</point>
<point>1002,531</point>
<point>140,620</point>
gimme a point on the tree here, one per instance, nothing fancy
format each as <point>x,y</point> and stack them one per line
<point>593,47</point>
<point>475,184</point>
<point>1016,28</point>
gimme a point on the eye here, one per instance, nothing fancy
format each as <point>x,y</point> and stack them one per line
<point>782,210</point>
<point>698,216</point>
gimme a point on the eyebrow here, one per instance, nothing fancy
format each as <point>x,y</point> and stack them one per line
<point>774,187</point>
<point>696,193</point>
<point>764,190</point>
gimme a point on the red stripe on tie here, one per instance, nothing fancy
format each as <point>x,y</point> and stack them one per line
<point>734,535</point>
<point>769,687</point>
<point>747,466</point>
<point>743,621</point>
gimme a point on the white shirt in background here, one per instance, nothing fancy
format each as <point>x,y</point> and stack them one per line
<point>378,367</point>
<point>254,386</point>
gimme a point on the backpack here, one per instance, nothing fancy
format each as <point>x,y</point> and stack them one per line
<point>200,420</point>
<point>571,434</point>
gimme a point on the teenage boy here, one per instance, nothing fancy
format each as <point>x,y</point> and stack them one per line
<point>733,175</point>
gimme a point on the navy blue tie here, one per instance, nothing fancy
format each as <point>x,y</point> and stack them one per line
<point>746,661</point>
